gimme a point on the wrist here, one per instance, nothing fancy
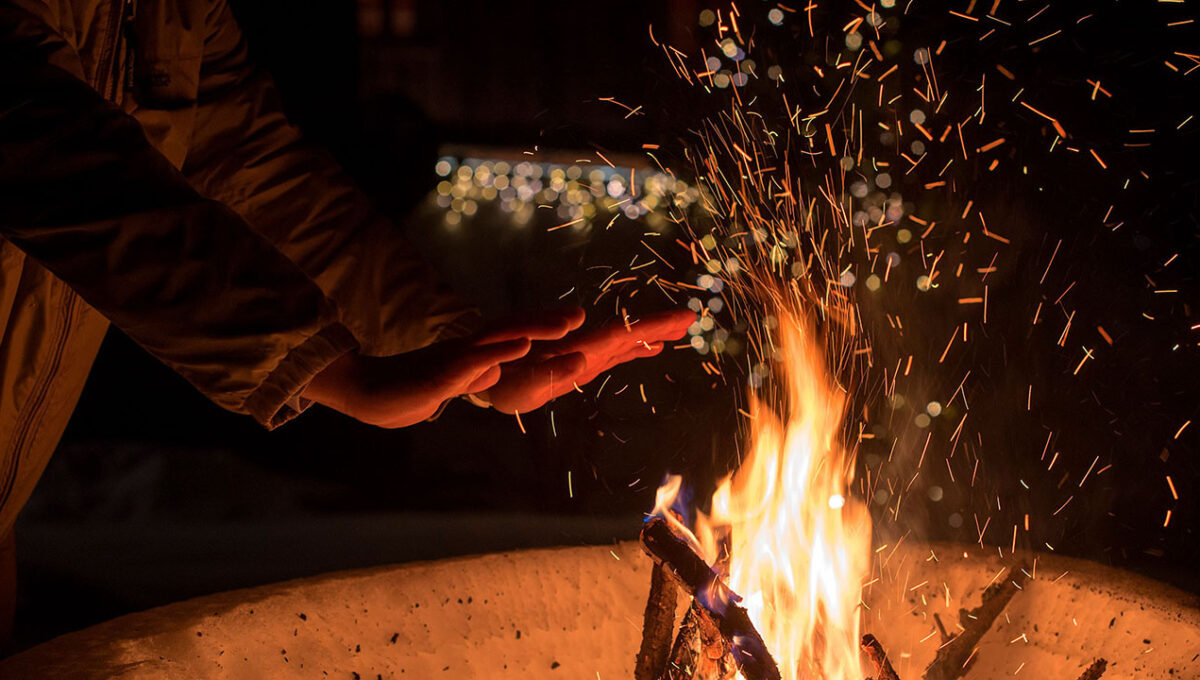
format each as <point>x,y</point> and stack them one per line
<point>330,386</point>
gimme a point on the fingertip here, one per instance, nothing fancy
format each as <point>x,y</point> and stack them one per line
<point>574,317</point>
<point>510,349</point>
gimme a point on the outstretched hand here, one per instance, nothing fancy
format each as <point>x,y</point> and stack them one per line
<point>516,368</point>
<point>555,367</point>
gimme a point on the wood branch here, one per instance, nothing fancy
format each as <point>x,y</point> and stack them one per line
<point>658,625</point>
<point>1096,670</point>
<point>953,657</point>
<point>878,657</point>
<point>713,596</point>
<point>700,651</point>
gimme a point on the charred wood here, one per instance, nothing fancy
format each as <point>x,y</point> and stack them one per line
<point>879,658</point>
<point>953,657</point>
<point>658,625</point>
<point>713,597</point>
<point>1095,670</point>
<point>700,651</point>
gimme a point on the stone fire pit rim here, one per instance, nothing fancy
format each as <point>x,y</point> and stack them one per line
<point>107,640</point>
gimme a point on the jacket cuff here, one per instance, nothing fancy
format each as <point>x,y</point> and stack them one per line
<point>277,400</point>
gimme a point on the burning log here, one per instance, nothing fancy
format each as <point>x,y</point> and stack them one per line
<point>713,597</point>
<point>700,651</point>
<point>878,657</point>
<point>955,655</point>
<point>658,624</point>
<point>1095,670</point>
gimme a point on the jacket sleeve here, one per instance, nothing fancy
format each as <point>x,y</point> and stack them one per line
<point>84,193</point>
<point>245,154</point>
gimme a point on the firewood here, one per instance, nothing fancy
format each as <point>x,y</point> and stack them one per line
<point>954,656</point>
<point>874,651</point>
<point>700,651</point>
<point>658,624</point>
<point>712,595</point>
<point>1095,670</point>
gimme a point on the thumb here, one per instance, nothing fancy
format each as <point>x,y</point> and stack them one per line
<point>476,361</point>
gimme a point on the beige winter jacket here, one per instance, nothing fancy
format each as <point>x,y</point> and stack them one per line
<point>148,178</point>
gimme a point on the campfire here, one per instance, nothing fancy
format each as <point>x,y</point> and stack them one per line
<point>774,577</point>
<point>717,638</point>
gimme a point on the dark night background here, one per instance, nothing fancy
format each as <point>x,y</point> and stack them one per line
<point>156,495</point>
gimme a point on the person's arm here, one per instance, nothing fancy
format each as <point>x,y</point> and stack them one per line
<point>84,193</point>
<point>245,154</point>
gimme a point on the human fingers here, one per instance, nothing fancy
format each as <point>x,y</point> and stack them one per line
<point>528,384</point>
<point>598,366</point>
<point>475,361</point>
<point>620,337</point>
<point>550,325</point>
<point>497,352</point>
<point>485,381</point>
<point>670,325</point>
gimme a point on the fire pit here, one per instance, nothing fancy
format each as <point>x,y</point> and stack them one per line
<point>577,613</point>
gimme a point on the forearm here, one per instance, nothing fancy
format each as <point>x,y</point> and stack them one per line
<point>247,155</point>
<point>86,195</point>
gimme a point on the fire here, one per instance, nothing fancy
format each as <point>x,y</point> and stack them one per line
<point>798,542</point>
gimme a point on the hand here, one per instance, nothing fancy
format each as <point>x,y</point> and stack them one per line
<point>498,366</point>
<point>408,388</point>
<point>554,368</point>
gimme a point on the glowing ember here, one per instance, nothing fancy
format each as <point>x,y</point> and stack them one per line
<point>798,543</point>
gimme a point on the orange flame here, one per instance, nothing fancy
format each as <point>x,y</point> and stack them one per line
<point>799,543</point>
